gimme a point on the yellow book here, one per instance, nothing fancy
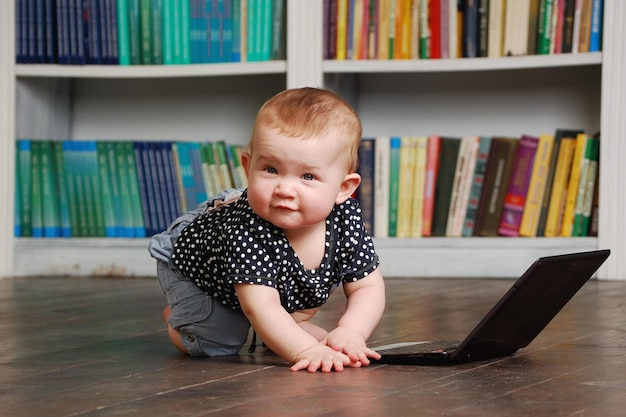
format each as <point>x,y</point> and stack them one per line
<point>342,29</point>
<point>357,31</point>
<point>537,186</point>
<point>567,223</point>
<point>559,187</point>
<point>383,28</point>
<point>407,174</point>
<point>419,185</point>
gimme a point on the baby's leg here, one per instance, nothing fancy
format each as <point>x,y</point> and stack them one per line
<point>173,333</point>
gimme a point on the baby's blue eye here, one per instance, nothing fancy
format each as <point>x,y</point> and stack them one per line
<point>308,177</point>
<point>271,170</point>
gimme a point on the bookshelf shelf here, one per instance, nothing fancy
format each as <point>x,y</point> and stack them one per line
<point>485,257</point>
<point>157,102</point>
<point>150,71</point>
<point>462,64</point>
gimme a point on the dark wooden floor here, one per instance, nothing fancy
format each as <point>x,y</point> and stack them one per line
<point>97,347</point>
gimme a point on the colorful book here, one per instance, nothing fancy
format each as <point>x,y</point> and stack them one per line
<point>395,146</point>
<point>558,136</point>
<point>419,185</point>
<point>406,174</point>
<point>365,192</point>
<point>558,192</point>
<point>466,163</point>
<point>537,186</point>
<point>582,214</point>
<point>381,186</point>
<point>567,222</point>
<point>497,175</point>
<point>517,189</point>
<point>478,179</point>
<point>448,155</point>
<point>433,150</point>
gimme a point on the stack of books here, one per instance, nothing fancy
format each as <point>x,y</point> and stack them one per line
<point>75,188</point>
<point>529,186</point>
<point>149,32</point>
<point>433,29</point>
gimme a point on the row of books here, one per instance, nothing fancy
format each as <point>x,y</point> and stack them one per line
<point>134,32</point>
<point>433,29</point>
<point>481,186</point>
<point>70,188</point>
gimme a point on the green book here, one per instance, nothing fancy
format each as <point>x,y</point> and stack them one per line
<point>145,30</point>
<point>134,31</point>
<point>544,30</point>
<point>50,206</point>
<point>24,150</point>
<point>266,28</point>
<point>252,32</point>
<point>134,196</point>
<point>61,189</point>
<point>168,32</point>
<point>209,170</point>
<point>394,184</point>
<point>17,201</point>
<point>124,190</point>
<point>36,192</point>
<point>70,174</point>
<point>106,197</point>
<point>157,31</point>
<point>123,32</point>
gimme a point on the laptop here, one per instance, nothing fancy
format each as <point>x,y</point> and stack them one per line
<point>516,319</point>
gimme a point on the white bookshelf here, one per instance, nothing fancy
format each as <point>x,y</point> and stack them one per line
<point>197,102</point>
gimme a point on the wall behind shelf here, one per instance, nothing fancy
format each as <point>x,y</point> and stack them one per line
<point>482,103</point>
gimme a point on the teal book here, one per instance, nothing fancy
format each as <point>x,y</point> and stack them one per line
<point>123,32</point>
<point>278,42</point>
<point>69,163</point>
<point>86,192</point>
<point>236,31</point>
<point>136,212</point>
<point>24,150</point>
<point>36,195</point>
<point>199,190</point>
<point>106,195</point>
<point>227,30</point>
<point>123,172</point>
<point>253,35</point>
<point>168,32</point>
<point>145,30</point>
<point>17,201</point>
<point>62,190</point>
<point>186,175</point>
<point>50,206</point>
<point>116,198</point>
<point>185,32</point>
<point>394,184</point>
<point>266,29</point>
<point>177,40</point>
<point>478,179</point>
<point>157,31</point>
<point>134,31</point>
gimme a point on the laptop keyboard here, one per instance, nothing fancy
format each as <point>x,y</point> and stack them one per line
<point>428,347</point>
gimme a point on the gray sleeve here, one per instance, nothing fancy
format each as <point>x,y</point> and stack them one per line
<point>161,245</point>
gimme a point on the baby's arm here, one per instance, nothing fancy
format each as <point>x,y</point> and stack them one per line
<point>303,317</point>
<point>366,302</point>
<point>280,332</point>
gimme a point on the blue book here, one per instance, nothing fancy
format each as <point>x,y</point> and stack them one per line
<point>111,32</point>
<point>173,193</point>
<point>145,186</point>
<point>595,36</point>
<point>236,31</point>
<point>158,198</point>
<point>63,32</point>
<point>94,30</point>
<point>365,192</point>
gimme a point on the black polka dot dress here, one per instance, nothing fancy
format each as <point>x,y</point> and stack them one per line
<point>232,245</point>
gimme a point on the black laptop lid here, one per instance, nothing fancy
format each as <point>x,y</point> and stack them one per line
<point>527,308</point>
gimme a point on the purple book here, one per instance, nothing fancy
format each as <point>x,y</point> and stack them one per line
<point>518,186</point>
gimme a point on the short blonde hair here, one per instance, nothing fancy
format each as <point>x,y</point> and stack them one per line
<point>306,112</point>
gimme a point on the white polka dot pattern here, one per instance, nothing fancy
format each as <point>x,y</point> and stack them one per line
<point>233,245</point>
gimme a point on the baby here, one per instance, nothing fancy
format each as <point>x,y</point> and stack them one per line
<point>270,255</point>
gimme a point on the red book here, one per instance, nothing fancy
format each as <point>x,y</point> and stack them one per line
<point>518,186</point>
<point>432,167</point>
<point>434,21</point>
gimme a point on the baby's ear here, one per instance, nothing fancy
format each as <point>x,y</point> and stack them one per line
<point>348,186</point>
<point>245,162</point>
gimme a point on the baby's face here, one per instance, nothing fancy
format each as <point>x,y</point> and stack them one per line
<point>294,182</point>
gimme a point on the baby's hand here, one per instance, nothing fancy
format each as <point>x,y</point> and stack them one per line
<point>352,344</point>
<point>321,357</point>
